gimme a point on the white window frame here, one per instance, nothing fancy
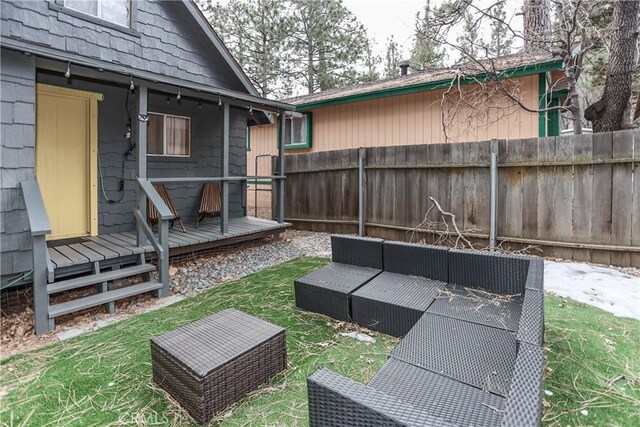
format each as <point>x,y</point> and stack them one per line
<point>99,15</point>
<point>164,136</point>
<point>305,124</point>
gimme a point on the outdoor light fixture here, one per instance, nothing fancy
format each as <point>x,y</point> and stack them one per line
<point>199,105</point>
<point>132,87</point>
<point>219,101</point>
<point>250,109</point>
<point>178,97</point>
<point>67,73</point>
<point>168,100</point>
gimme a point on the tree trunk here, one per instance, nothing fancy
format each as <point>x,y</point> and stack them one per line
<point>607,114</point>
<point>310,71</point>
<point>536,26</point>
<point>574,99</point>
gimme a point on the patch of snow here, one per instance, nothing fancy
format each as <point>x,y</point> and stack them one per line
<point>605,288</point>
<point>359,336</point>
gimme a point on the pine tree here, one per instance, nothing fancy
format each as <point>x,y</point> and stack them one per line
<point>371,62</point>
<point>392,58</point>
<point>255,33</point>
<point>426,53</point>
<point>326,46</point>
<point>501,38</point>
<point>468,41</point>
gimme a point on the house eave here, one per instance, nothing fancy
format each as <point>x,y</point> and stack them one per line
<point>199,17</point>
<point>514,72</point>
<point>242,99</point>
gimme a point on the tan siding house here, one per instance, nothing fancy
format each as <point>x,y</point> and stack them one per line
<point>418,109</point>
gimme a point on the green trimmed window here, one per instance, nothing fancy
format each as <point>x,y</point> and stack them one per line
<point>298,131</point>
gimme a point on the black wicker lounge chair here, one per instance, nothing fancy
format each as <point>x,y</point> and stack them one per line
<point>472,354</point>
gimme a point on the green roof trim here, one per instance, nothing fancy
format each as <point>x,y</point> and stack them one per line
<point>521,71</point>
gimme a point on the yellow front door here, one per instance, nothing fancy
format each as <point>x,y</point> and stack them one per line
<point>66,159</point>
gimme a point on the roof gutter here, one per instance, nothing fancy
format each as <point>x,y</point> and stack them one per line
<point>256,102</point>
<point>514,72</point>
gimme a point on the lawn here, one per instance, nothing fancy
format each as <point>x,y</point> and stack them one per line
<point>104,377</point>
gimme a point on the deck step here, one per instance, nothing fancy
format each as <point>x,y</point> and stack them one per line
<point>93,279</point>
<point>101,298</point>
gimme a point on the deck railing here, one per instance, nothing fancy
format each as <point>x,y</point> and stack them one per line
<point>42,266</point>
<point>161,244</point>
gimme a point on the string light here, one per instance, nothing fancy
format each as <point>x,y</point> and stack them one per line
<point>67,73</point>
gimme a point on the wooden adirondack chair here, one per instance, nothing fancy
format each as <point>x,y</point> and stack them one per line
<point>210,203</point>
<point>152,212</point>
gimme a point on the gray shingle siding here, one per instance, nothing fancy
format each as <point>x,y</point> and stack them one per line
<point>17,142</point>
<point>169,41</point>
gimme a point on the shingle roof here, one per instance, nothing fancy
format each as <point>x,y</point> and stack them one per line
<point>493,65</point>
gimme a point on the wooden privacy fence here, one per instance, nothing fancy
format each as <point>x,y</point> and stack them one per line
<point>573,196</point>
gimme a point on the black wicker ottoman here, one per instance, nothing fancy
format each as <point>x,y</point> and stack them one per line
<point>212,363</point>
<point>327,290</point>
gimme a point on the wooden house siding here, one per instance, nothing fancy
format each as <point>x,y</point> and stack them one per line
<point>408,120</point>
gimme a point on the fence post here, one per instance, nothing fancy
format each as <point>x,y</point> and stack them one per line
<point>494,194</point>
<point>362,190</point>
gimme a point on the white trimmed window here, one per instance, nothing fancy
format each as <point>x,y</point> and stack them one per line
<point>298,131</point>
<point>116,11</point>
<point>168,135</point>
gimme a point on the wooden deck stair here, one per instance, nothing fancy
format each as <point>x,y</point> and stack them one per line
<point>102,298</point>
<point>102,279</point>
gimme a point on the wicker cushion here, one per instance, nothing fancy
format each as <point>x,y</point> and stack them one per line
<point>474,305</point>
<point>477,355</point>
<point>458,403</point>
<point>392,303</point>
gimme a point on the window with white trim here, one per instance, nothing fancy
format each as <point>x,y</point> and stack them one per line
<point>168,135</point>
<point>116,11</point>
<point>297,132</point>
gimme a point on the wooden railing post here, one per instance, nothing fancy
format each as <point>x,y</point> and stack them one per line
<point>163,258</point>
<point>40,295</point>
<point>224,215</point>
<point>142,158</point>
<point>40,227</point>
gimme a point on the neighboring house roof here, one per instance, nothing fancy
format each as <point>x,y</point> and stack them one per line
<point>508,66</point>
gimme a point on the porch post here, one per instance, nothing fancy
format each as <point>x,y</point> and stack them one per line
<point>141,154</point>
<point>224,215</point>
<point>280,184</point>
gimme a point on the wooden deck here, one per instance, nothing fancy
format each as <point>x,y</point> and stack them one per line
<point>121,245</point>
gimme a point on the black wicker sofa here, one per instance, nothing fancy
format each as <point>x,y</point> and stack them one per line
<point>472,325</point>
